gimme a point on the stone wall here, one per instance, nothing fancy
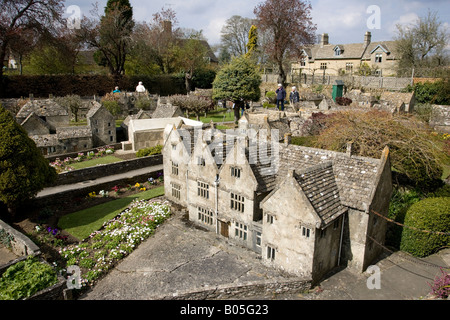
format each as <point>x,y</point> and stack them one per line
<point>266,288</point>
<point>440,118</point>
<point>18,243</point>
<point>99,171</point>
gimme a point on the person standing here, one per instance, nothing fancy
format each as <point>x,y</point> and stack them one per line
<point>294,98</point>
<point>281,96</point>
<point>140,88</point>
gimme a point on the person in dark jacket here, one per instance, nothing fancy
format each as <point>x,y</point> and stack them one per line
<point>281,96</point>
<point>294,98</point>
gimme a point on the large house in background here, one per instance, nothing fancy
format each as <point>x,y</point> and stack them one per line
<point>325,58</point>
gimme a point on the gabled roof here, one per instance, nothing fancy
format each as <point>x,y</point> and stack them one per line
<point>167,111</point>
<point>355,176</point>
<point>319,186</point>
<point>96,106</point>
<point>264,163</point>
<point>33,116</point>
<point>42,108</point>
<point>350,51</point>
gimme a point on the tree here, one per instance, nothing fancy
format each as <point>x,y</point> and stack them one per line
<point>239,82</point>
<point>190,57</point>
<point>17,17</point>
<point>290,27</point>
<point>192,103</point>
<point>415,152</point>
<point>110,35</point>
<point>235,35</point>
<point>23,169</point>
<point>418,43</point>
<point>252,43</point>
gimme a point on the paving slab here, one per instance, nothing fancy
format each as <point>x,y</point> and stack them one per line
<point>180,257</point>
<point>176,259</point>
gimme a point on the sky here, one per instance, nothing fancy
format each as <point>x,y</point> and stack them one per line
<point>345,21</point>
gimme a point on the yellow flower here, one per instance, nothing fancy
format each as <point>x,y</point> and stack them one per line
<point>137,185</point>
<point>143,189</point>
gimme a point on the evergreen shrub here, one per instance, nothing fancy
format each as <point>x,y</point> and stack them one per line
<point>431,214</point>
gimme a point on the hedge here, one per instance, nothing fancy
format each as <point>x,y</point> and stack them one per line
<point>431,214</point>
<point>41,86</point>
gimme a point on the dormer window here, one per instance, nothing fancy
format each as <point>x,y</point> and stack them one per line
<point>338,51</point>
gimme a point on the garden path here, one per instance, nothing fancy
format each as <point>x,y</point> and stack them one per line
<point>92,183</point>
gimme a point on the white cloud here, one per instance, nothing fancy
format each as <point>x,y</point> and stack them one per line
<point>403,20</point>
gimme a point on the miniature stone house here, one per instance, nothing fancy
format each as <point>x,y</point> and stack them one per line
<point>304,210</point>
<point>47,110</point>
<point>303,232</point>
<point>102,124</point>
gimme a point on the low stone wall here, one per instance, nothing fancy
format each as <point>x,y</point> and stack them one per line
<point>265,288</point>
<point>66,198</point>
<point>52,158</point>
<point>17,242</point>
<point>99,171</point>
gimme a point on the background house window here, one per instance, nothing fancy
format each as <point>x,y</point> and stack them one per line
<point>303,63</point>
<point>270,253</point>
<point>337,52</point>
<point>174,168</point>
<point>241,231</point>
<point>269,219</point>
<point>237,202</point>
<point>206,216</point>
<point>323,66</point>
<point>378,58</point>
<point>349,67</point>
<point>176,191</point>
<point>235,172</point>
<point>203,189</point>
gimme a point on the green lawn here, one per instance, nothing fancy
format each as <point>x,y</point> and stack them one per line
<point>217,116</point>
<point>94,162</point>
<point>82,223</point>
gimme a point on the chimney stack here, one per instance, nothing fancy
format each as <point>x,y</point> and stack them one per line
<point>324,40</point>
<point>367,38</point>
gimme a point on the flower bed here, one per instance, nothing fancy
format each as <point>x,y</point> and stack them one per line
<point>62,166</point>
<point>118,237</point>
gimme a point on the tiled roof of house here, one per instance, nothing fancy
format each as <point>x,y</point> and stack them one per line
<point>167,111</point>
<point>320,187</point>
<point>94,107</point>
<point>33,116</point>
<point>42,108</point>
<point>264,164</point>
<point>355,176</point>
<point>73,132</point>
<point>46,140</point>
<point>350,51</point>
